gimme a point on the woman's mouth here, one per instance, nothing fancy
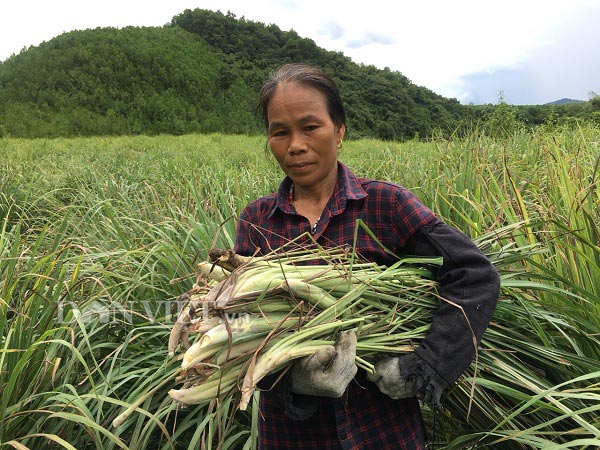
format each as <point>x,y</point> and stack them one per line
<point>300,167</point>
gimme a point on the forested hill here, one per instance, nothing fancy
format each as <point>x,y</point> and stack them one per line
<point>126,81</point>
<point>200,73</point>
<point>380,103</point>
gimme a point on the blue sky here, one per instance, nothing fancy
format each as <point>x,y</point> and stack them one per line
<point>533,51</point>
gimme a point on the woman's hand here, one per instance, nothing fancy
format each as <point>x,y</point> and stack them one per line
<point>408,376</point>
<point>329,370</point>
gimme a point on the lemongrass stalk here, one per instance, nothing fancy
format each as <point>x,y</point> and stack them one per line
<point>365,365</point>
<point>246,323</point>
<point>179,327</point>
<point>314,295</point>
<point>245,346</point>
<point>380,332</point>
<point>339,308</point>
<point>225,332</point>
<point>198,356</point>
<point>368,349</point>
<point>205,324</point>
<point>265,305</point>
<point>383,279</point>
<point>264,367</point>
<point>252,283</point>
<point>305,333</point>
<point>246,282</point>
<point>287,349</point>
<point>206,391</point>
<point>212,271</point>
<point>219,353</point>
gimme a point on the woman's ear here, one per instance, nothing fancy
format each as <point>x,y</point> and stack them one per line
<point>340,133</point>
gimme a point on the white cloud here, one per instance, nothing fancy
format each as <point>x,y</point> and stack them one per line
<point>370,38</point>
<point>29,22</point>
<point>565,64</point>
<point>332,30</point>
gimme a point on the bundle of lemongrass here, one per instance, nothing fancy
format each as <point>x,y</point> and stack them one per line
<point>253,316</point>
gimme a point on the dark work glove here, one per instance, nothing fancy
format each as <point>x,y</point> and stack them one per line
<point>408,376</point>
<point>329,370</point>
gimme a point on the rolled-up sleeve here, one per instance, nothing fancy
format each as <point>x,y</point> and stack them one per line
<point>469,286</point>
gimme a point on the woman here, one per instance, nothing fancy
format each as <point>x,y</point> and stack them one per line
<point>324,402</point>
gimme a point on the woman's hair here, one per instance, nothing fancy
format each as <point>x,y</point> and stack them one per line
<point>307,76</point>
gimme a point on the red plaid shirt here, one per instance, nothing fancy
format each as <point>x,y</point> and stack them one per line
<point>364,418</point>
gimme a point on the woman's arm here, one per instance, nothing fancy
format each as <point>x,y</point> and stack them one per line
<point>469,286</point>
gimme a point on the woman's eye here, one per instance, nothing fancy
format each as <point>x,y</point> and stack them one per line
<point>310,127</point>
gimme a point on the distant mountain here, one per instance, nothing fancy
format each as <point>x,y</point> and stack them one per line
<point>564,101</point>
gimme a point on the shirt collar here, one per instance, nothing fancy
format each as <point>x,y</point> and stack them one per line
<point>348,187</point>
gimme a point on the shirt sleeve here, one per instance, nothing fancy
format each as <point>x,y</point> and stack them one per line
<point>470,285</point>
<point>410,215</point>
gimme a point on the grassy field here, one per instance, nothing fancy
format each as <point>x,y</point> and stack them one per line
<point>99,236</point>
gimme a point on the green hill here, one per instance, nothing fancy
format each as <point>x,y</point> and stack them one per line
<point>200,73</point>
<point>380,103</point>
<point>564,101</point>
<point>126,81</point>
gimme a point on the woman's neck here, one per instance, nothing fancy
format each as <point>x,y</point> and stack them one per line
<point>310,202</point>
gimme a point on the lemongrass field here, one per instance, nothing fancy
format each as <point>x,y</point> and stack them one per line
<point>100,236</point>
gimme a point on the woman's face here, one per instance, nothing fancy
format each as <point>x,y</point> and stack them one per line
<point>302,136</point>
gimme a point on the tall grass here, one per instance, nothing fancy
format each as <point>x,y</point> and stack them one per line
<point>99,236</point>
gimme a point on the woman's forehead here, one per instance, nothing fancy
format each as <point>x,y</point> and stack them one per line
<point>297,98</point>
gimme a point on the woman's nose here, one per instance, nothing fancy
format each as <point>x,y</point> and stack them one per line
<point>297,143</point>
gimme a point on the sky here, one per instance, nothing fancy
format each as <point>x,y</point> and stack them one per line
<point>527,51</point>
